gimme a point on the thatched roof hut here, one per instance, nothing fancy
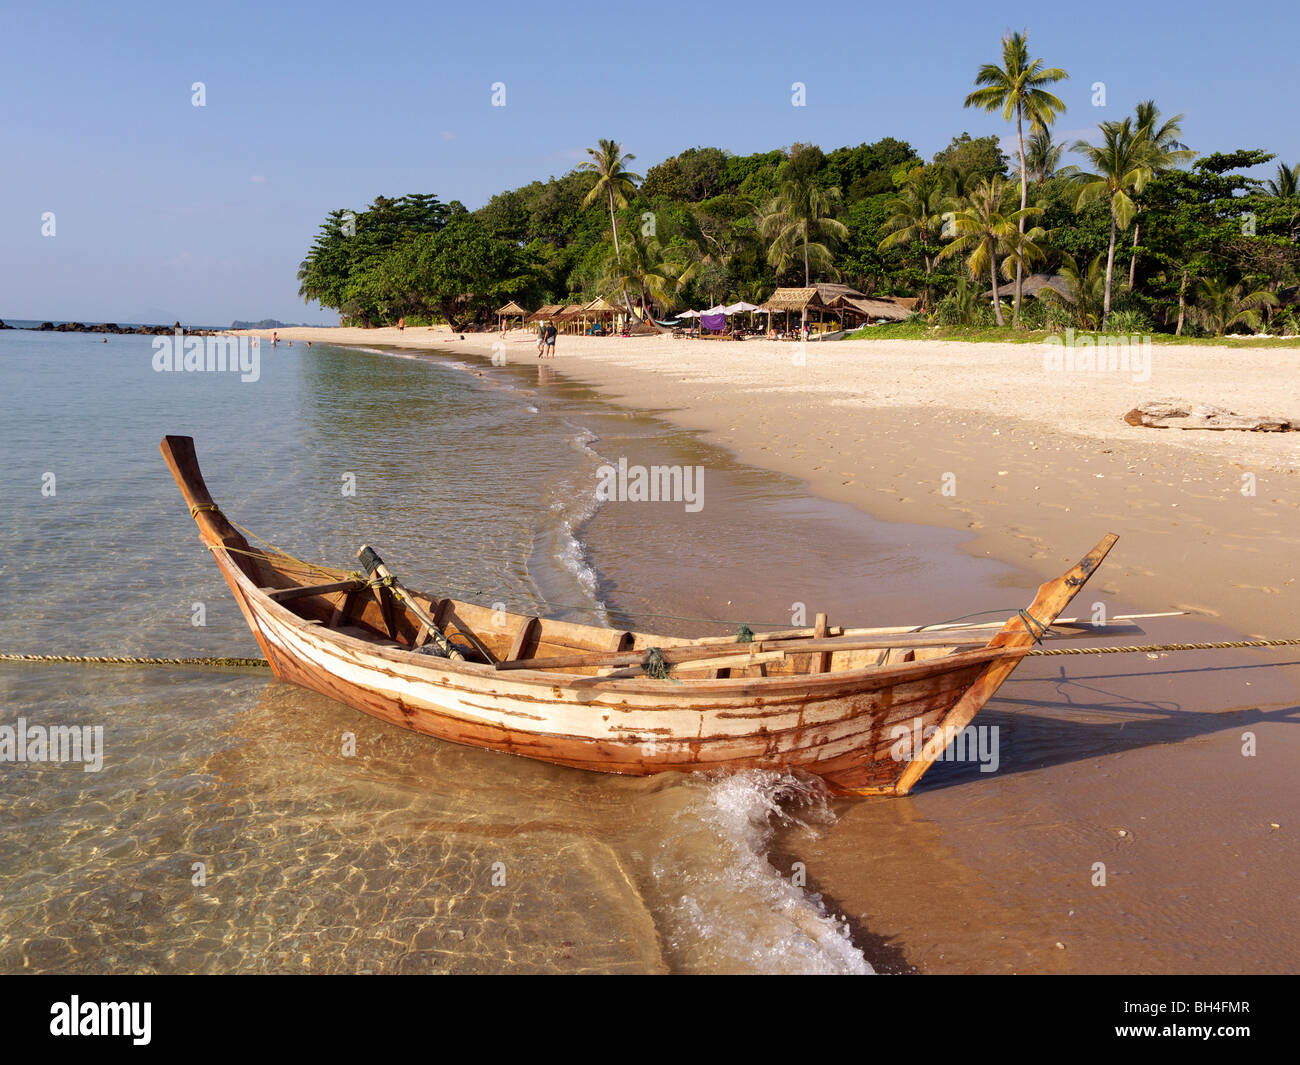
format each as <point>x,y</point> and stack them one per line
<point>830,293</point>
<point>871,310</point>
<point>1036,285</point>
<point>794,300</point>
<point>600,305</point>
<point>544,314</point>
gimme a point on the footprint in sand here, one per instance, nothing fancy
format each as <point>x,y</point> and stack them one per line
<point>1266,589</point>
<point>1193,608</point>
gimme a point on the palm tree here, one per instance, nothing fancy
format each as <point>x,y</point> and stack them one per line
<point>1219,305</point>
<point>1084,291</point>
<point>1285,184</point>
<point>1123,167</point>
<point>1018,88</point>
<point>1042,157</point>
<point>614,181</point>
<point>796,220</point>
<point>983,230</point>
<point>645,266</point>
<point>916,214</point>
<point>1166,150</point>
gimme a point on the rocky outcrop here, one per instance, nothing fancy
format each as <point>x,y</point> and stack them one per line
<point>113,327</point>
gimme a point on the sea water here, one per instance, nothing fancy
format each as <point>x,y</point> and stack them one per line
<point>242,824</point>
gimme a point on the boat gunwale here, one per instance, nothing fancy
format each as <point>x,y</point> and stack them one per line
<point>796,684</point>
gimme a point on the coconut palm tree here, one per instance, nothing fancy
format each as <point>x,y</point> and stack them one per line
<point>613,181</point>
<point>1219,305</point>
<point>1285,183</point>
<point>1166,151</point>
<point>1043,157</point>
<point>796,221</point>
<point>983,229</point>
<point>1084,291</point>
<point>645,267</point>
<point>1018,87</point>
<point>1123,167</point>
<point>916,214</point>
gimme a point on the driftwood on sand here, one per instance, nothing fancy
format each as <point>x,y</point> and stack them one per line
<point>1180,414</point>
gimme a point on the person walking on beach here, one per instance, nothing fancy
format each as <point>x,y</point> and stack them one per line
<point>548,336</point>
<point>401,324</point>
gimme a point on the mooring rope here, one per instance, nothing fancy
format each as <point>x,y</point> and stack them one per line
<point>656,666</point>
<point>128,660</point>
<point>1151,648</point>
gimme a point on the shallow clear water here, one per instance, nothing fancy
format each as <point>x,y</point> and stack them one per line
<point>227,830</point>
<point>233,828</point>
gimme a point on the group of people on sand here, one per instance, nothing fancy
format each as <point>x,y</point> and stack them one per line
<point>546,341</point>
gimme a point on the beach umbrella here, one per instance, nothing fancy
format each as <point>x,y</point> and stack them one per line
<point>736,308</point>
<point>689,314</point>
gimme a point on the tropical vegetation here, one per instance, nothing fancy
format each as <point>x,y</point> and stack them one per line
<point>1210,249</point>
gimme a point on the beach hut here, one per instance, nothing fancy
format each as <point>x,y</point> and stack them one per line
<point>1036,286</point>
<point>569,318</point>
<point>602,311</point>
<point>829,293</point>
<point>868,309</point>
<point>543,315</point>
<point>799,300</point>
<point>510,310</point>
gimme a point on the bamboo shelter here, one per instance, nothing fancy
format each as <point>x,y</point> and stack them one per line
<point>569,319</point>
<point>603,313</point>
<point>868,310</point>
<point>510,310</point>
<point>801,300</point>
<point>544,314</point>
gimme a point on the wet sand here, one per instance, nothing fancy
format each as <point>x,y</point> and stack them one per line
<point>1134,763</point>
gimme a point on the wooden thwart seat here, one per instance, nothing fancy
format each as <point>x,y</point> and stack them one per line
<point>287,595</point>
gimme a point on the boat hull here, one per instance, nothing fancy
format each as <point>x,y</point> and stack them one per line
<point>844,726</point>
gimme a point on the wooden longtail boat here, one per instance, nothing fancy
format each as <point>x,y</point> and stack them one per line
<point>824,701</point>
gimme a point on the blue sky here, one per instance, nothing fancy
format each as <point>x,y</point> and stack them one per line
<point>164,210</point>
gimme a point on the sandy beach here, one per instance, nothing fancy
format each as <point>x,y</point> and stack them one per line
<point>1102,753</point>
<point>1037,464</point>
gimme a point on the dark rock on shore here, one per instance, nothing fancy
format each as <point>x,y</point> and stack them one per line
<point>113,327</point>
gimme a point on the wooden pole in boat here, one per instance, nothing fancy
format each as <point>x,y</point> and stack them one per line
<point>374,565</point>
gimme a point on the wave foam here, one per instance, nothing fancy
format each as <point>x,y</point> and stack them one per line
<point>725,907</point>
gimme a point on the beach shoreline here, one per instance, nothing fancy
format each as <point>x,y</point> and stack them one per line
<point>1100,752</point>
<point>1035,467</point>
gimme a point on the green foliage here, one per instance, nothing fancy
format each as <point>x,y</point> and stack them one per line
<point>970,161</point>
<point>706,226</point>
<point>1129,322</point>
